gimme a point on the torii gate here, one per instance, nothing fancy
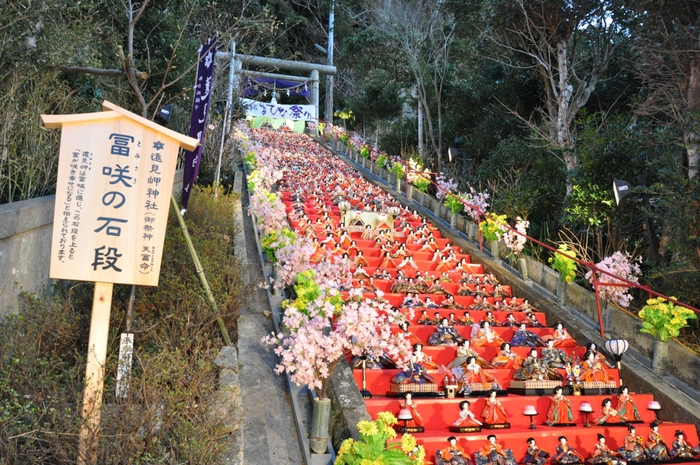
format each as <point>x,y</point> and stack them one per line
<point>236,69</point>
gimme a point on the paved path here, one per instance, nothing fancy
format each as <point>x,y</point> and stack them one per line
<point>269,433</point>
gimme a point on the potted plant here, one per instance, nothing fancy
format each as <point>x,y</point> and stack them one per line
<point>399,171</point>
<point>365,152</point>
<point>454,203</point>
<point>382,161</point>
<point>374,446</point>
<point>492,231</point>
<point>515,242</point>
<point>272,242</point>
<point>663,320</point>
<point>250,161</point>
<point>319,336</point>
<point>563,263</point>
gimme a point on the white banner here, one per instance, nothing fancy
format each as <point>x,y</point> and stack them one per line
<point>295,112</point>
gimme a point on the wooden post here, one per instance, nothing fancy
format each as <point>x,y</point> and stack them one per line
<point>94,373</point>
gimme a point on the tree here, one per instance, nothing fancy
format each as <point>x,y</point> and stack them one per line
<point>668,63</point>
<point>421,32</point>
<point>569,45</point>
<point>156,43</point>
<point>378,100</point>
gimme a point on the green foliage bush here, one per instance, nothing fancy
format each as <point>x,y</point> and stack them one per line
<point>276,240</point>
<point>398,169</point>
<point>563,263</point>
<point>491,228</point>
<point>663,319</point>
<point>164,418</point>
<point>454,203</point>
<point>382,161</point>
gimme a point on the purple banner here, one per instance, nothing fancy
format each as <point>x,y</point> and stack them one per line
<point>200,109</point>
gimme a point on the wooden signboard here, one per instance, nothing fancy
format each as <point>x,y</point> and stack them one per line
<point>115,180</point>
<point>115,177</point>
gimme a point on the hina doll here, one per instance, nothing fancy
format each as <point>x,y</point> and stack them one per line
<point>683,450</point>
<point>464,289</point>
<point>554,358</point>
<point>506,358</point>
<point>561,337</point>
<point>437,288</point>
<point>387,261</point>
<point>511,322</point>
<point>486,336</point>
<point>410,301</point>
<point>407,334</point>
<point>368,233</point>
<point>603,455</point>
<point>494,454</point>
<point>560,412</point>
<point>494,414</point>
<point>424,318</point>
<point>626,406</point>
<point>463,353</point>
<point>532,368</point>
<point>593,370</point>
<point>592,347</point>
<point>466,417</point>
<point>476,379</point>
<point>565,454</point>
<point>361,260</point>
<point>491,320</point>
<point>656,445</point>
<point>524,338</point>
<point>414,373</point>
<point>412,407</point>
<point>360,272</point>
<point>633,450</point>
<point>449,302</point>
<point>445,335</point>
<point>452,454</point>
<point>466,319</point>
<point>422,358</point>
<point>608,414</point>
<point>534,455</point>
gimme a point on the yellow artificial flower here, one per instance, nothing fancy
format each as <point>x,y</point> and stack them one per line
<point>420,453</point>
<point>387,418</point>
<point>408,442</point>
<point>345,447</point>
<point>368,428</point>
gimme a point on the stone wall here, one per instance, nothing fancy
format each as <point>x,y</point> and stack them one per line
<point>25,247</point>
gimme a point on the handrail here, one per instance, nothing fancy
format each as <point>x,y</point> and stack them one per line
<point>589,265</point>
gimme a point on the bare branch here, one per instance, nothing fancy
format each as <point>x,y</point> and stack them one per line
<point>95,71</point>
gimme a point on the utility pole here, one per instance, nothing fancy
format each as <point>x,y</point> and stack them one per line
<point>329,78</point>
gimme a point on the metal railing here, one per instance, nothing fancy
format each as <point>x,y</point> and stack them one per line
<point>623,282</point>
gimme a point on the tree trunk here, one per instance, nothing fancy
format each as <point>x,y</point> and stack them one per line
<point>690,137</point>
<point>563,101</point>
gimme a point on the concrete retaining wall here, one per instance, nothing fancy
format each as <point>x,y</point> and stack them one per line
<point>25,247</point>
